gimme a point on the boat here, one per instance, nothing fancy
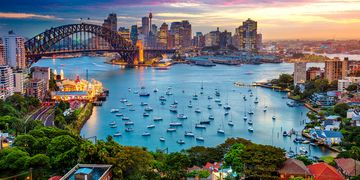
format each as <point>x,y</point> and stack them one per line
<point>199,138</point>
<point>219,104</point>
<point>306,142</point>
<point>250,122</point>
<point>122,107</point>
<point>265,108</point>
<point>209,107</point>
<point>217,93</point>
<point>290,103</point>
<point>156,90</point>
<point>123,100</point>
<point>256,100</point>
<point>211,117</point>
<point>162,139</point>
<point>273,118</point>
<point>112,123</point>
<point>190,105</point>
<point>128,123</point>
<point>146,134</point>
<point>175,124</point>
<point>220,131</point>
<point>171,130</point>
<point>128,104</point>
<point>251,129</point>
<point>180,142</point>
<point>168,93</point>
<point>285,134</point>
<point>195,97</point>
<point>136,92</point>
<point>142,87</point>
<point>125,118</point>
<point>117,134</point>
<point>113,126</point>
<point>189,134</point>
<point>132,109</point>
<point>181,116</point>
<point>162,103</point>
<point>200,126</point>
<point>162,98</point>
<point>143,104</point>
<point>173,108</point>
<point>158,119</point>
<point>313,144</point>
<point>303,150</point>
<point>298,140</point>
<point>210,97</point>
<point>227,106</point>
<point>244,97</point>
<point>129,129</point>
<point>148,108</point>
<point>197,110</point>
<point>145,114</point>
<point>245,117</point>
<point>231,123</point>
<point>217,100</point>
<point>251,112</point>
<point>129,89</point>
<point>226,113</point>
<point>175,102</point>
<point>119,115</point>
<point>150,126</point>
<point>205,122</point>
<point>114,110</point>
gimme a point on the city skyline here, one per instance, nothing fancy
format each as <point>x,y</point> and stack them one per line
<point>299,19</point>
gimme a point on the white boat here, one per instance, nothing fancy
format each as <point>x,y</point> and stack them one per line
<point>171,130</point>
<point>128,123</point>
<point>128,104</point>
<point>129,89</point>
<point>197,110</point>
<point>175,102</point>
<point>143,104</point>
<point>245,117</point>
<point>113,126</point>
<point>112,123</point>
<point>145,114</point>
<point>226,113</point>
<point>211,117</point>
<point>219,104</point>
<point>217,93</point>
<point>230,123</point>
<point>123,100</point>
<point>117,134</point>
<point>251,129</point>
<point>146,134</point>
<point>175,124</point>
<point>148,108</point>
<point>265,108</point>
<point>181,116</point>
<point>136,92</point>
<point>190,106</point>
<point>114,110</point>
<point>125,118</point>
<point>199,138</point>
<point>220,131</point>
<point>180,141</point>
<point>227,106</point>
<point>162,139</point>
<point>250,122</point>
<point>144,94</point>
<point>162,103</point>
<point>217,100</point>
<point>209,107</point>
<point>209,97</point>
<point>132,109</point>
<point>273,118</point>
<point>189,134</point>
<point>173,108</point>
<point>200,126</point>
<point>168,93</point>
<point>158,119</point>
<point>251,112</point>
<point>162,98</point>
<point>129,129</point>
<point>119,114</point>
<point>150,126</point>
<point>156,90</point>
<point>256,100</point>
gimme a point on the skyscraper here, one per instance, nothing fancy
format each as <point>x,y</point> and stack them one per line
<point>182,33</point>
<point>14,50</point>
<point>124,32</point>
<point>6,82</point>
<point>2,53</point>
<point>111,22</point>
<point>134,34</point>
<point>225,39</point>
<point>212,38</point>
<point>259,42</point>
<point>163,35</point>
<point>199,40</point>
<point>145,26</point>
<point>336,69</point>
<point>249,34</point>
<point>299,72</point>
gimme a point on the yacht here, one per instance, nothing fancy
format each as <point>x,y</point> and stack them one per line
<point>200,126</point>
<point>195,97</point>
<point>265,108</point>
<point>146,134</point>
<point>162,98</point>
<point>217,93</point>
<point>171,130</point>
<point>273,118</point>
<point>125,118</point>
<point>217,100</point>
<point>209,107</point>
<point>117,134</point>
<point>190,105</point>
<point>129,129</point>
<point>285,134</point>
<point>156,90</point>
<point>112,123</point>
<point>143,104</point>
<point>128,104</point>
<point>210,97</point>
<point>173,109</point>
<point>256,100</point>
<point>119,115</point>
<point>211,117</point>
<point>114,110</point>
<point>205,122</point>
<point>226,113</point>
<point>158,119</point>
<point>168,93</point>
<point>219,104</point>
<point>162,139</point>
<point>180,142</point>
<point>189,134</point>
<point>197,110</point>
<point>113,126</point>
<point>220,131</point>
<point>148,108</point>
<point>251,112</point>
<point>123,100</point>
<point>181,116</point>
<point>227,106</point>
<point>250,122</point>
<point>150,126</point>
<point>128,123</point>
<point>245,117</point>
<point>250,129</point>
<point>145,114</point>
<point>231,123</point>
<point>175,124</point>
<point>199,138</point>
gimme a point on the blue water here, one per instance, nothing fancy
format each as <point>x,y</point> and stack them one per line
<point>188,78</point>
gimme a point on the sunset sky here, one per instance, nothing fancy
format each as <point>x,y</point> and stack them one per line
<point>277,19</point>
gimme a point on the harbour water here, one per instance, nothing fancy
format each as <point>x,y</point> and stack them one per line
<point>185,81</point>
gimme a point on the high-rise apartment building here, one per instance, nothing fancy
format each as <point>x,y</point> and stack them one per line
<point>336,69</point>
<point>249,34</point>
<point>36,88</point>
<point>19,79</point>
<point>14,46</point>
<point>199,40</point>
<point>212,38</point>
<point>225,39</point>
<point>145,22</point>
<point>41,73</point>
<point>299,72</point>
<point>182,33</point>
<point>111,22</point>
<point>6,82</point>
<point>163,35</point>
<point>134,34</point>
<point>313,73</point>
<point>124,32</point>
<point>2,53</point>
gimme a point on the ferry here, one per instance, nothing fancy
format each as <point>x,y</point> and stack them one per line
<point>114,110</point>
<point>181,116</point>
<point>189,134</point>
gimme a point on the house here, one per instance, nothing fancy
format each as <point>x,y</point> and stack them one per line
<point>323,171</point>
<point>294,168</point>
<point>331,125</point>
<point>322,99</point>
<point>355,116</point>
<point>89,172</point>
<point>348,167</point>
<point>326,137</point>
<point>212,167</point>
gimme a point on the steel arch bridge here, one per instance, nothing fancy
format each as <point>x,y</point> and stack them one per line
<point>44,44</point>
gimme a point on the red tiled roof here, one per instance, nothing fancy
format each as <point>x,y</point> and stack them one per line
<point>55,178</point>
<point>294,167</point>
<point>212,166</point>
<point>323,171</point>
<point>348,166</point>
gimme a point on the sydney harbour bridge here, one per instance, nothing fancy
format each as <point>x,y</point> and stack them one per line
<point>85,38</point>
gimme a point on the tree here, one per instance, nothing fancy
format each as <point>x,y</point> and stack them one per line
<point>176,165</point>
<point>25,142</point>
<point>60,144</point>
<point>233,158</point>
<point>39,161</point>
<point>352,87</point>
<point>341,109</point>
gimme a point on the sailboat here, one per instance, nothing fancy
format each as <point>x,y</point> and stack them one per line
<point>200,126</point>
<point>117,134</point>
<point>211,117</point>
<point>162,139</point>
<point>150,126</point>
<point>250,122</point>
<point>209,107</point>
<point>256,100</point>
<point>181,116</point>
<point>189,134</point>
<point>146,134</point>
<point>265,108</point>
<point>200,138</point>
<point>197,110</point>
<point>190,105</point>
<point>220,129</point>
<point>158,118</point>
<point>180,141</point>
<point>231,123</point>
<point>251,129</point>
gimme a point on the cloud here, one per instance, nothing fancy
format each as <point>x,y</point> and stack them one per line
<point>26,16</point>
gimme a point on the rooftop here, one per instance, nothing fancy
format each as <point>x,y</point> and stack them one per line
<point>323,171</point>
<point>348,166</point>
<point>294,167</point>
